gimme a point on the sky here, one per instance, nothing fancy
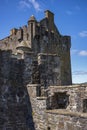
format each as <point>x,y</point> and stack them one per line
<point>70,19</point>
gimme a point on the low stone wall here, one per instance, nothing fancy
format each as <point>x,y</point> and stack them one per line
<point>58,119</point>
<point>77,94</point>
<point>65,120</point>
<point>38,107</point>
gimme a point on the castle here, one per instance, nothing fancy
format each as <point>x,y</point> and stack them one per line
<point>36,90</point>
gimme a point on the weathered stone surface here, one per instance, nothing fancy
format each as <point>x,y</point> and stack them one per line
<point>15,106</point>
<point>43,37</point>
<point>63,120</point>
<point>34,64</point>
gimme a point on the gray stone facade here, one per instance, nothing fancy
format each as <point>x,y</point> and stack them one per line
<point>42,37</point>
<point>36,91</point>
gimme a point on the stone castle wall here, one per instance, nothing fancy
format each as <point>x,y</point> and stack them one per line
<point>63,120</point>
<point>25,107</point>
<point>72,117</point>
<point>42,37</point>
<point>15,106</point>
<point>36,91</point>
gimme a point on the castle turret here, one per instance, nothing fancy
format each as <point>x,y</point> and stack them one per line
<point>32,28</point>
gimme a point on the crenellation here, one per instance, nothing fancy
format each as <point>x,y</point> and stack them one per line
<point>13,31</point>
<point>20,34</point>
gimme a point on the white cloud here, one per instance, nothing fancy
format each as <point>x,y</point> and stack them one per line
<point>24,4</point>
<point>79,76</point>
<point>35,4</point>
<point>80,53</point>
<point>83,34</point>
<point>83,53</point>
<point>73,11</point>
<point>79,73</point>
<point>29,3</point>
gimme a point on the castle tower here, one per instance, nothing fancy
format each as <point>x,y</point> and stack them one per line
<point>44,40</point>
<point>31,29</point>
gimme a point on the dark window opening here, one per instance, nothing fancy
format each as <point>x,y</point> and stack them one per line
<point>38,90</point>
<point>31,30</point>
<point>38,29</point>
<point>27,36</point>
<point>85,105</point>
<point>46,33</point>
<point>37,37</point>
<point>60,100</point>
<point>48,128</point>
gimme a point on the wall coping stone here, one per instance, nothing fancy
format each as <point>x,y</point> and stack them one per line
<point>67,113</point>
<point>33,85</point>
<point>41,98</point>
<point>47,54</point>
<point>69,86</point>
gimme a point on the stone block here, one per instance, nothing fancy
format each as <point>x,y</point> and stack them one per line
<point>61,125</point>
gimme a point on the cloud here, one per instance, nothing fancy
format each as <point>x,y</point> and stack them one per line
<point>83,34</point>
<point>35,4</point>
<point>24,4</point>
<point>73,11</point>
<point>74,51</point>
<point>29,4</point>
<point>77,52</point>
<point>69,12</point>
<point>79,73</point>
<point>83,53</point>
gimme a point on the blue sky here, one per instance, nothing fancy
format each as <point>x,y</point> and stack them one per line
<point>70,19</point>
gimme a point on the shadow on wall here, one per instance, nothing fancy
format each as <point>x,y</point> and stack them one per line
<point>29,119</point>
<point>15,105</point>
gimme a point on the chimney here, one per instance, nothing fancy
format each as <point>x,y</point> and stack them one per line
<point>50,16</point>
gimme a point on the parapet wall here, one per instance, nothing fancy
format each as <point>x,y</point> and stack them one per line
<point>74,96</point>
<point>64,120</point>
<point>59,118</point>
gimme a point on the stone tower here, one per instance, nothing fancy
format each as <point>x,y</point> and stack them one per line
<point>44,40</point>
<point>33,54</point>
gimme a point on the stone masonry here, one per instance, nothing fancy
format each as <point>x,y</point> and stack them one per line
<point>36,91</point>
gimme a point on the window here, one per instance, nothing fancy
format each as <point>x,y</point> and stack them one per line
<point>27,36</point>
<point>84,105</point>
<point>48,128</point>
<point>60,100</point>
